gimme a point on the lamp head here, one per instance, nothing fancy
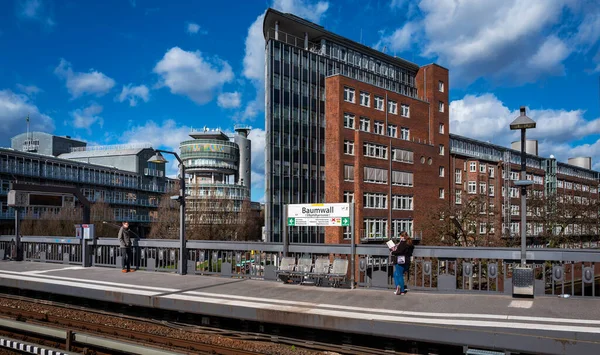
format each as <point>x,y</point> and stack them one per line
<point>157,158</point>
<point>522,122</point>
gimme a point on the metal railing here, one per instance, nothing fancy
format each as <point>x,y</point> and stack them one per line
<point>448,269</point>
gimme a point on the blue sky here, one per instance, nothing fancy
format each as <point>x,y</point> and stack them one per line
<point>121,71</point>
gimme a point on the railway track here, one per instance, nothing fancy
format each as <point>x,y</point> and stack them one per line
<point>165,342</point>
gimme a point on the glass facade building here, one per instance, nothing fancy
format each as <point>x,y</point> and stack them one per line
<point>299,56</point>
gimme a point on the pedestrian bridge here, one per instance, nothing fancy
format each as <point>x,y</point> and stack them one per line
<point>458,296</point>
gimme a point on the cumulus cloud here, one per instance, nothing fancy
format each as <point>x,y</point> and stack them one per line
<point>229,100</point>
<point>88,116</point>
<point>258,138</point>
<point>254,57</point>
<point>30,90</point>
<point>193,75</point>
<point>134,93</point>
<point>14,109</point>
<point>35,10</point>
<point>512,40</point>
<point>80,83</point>
<point>194,28</point>
<point>485,117</point>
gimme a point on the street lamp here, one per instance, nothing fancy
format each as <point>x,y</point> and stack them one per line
<point>157,158</point>
<point>523,123</point>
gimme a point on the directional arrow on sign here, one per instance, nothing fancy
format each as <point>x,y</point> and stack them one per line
<point>291,221</point>
<point>345,221</point>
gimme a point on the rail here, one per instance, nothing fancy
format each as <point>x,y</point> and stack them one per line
<point>575,272</point>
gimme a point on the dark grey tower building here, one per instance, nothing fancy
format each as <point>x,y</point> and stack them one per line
<point>299,56</point>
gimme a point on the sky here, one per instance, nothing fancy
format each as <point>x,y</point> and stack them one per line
<point>125,71</point>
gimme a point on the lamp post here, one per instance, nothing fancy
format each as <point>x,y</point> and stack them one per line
<point>523,123</point>
<point>159,159</point>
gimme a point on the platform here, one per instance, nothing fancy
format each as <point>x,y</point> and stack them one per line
<point>544,325</point>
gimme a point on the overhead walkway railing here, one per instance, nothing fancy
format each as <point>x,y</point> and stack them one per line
<point>574,272</point>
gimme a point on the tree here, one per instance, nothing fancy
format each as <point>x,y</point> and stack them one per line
<point>99,213</point>
<point>166,225</point>
<point>462,224</point>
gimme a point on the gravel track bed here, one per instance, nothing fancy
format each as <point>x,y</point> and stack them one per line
<point>143,327</point>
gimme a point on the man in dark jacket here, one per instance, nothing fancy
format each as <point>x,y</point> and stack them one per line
<point>401,254</point>
<point>125,243</point>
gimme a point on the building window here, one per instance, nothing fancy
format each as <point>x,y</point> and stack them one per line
<point>365,99</point>
<point>441,128</point>
<point>392,107</point>
<point>441,106</point>
<point>348,172</point>
<point>482,188</point>
<point>441,86</point>
<point>392,130</point>
<point>514,210</point>
<point>441,193</point>
<point>374,228</point>
<point>482,168</point>
<point>379,127</point>
<point>491,171</point>
<point>379,103</point>
<point>401,155</point>
<point>482,228</point>
<point>472,187</point>
<point>347,233</point>
<point>348,94</point>
<point>441,149</point>
<point>375,150</point>
<point>457,176</point>
<point>349,147</point>
<point>375,175</point>
<point>405,110</point>
<point>402,178</point>
<point>405,133</point>
<point>402,225</point>
<point>402,202</point>
<point>374,200</point>
<point>348,197</point>
<point>364,124</point>
<point>514,192</point>
<point>491,190</point>
<point>276,84</point>
<point>349,120</point>
<point>442,170</point>
<point>458,197</point>
<point>472,167</point>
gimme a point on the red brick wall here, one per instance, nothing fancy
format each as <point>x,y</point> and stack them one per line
<point>424,142</point>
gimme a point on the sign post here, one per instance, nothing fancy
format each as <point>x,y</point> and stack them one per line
<point>321,215</point>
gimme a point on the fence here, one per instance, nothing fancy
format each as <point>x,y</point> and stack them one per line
<point>448,269</point>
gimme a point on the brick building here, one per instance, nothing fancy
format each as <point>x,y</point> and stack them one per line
<point>387,153</point>
<point>487,172</point>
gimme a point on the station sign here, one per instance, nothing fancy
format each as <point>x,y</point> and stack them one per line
<point>319,214</point>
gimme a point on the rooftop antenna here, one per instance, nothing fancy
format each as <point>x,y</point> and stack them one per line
<point>384,48</point>
<point>361,36</point>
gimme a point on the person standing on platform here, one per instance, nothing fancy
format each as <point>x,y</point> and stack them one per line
<point>126,252</point>
<point>401,255</point>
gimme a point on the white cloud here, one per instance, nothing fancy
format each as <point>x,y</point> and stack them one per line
<point>194,28</point>
<point>487,118</point>
<point>35,10</point>
<point>30,90</point>
<point>85,118</point>
<point>79,83</point>
<point>254,57</point>
<point>14,109</point>
<point>134,93</point>
<point>258,138</point>
<point>513,40</point>
<point>229,100</point>
<point>192,75</point>
<point>312,11</point>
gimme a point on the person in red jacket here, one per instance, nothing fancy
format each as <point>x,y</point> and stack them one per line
<point>401,254</point>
